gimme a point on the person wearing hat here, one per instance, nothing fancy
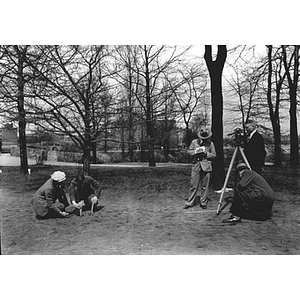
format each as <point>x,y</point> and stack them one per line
<point>253,198</point>
<point>50,199</point>
<point>84,192</point>
<point>254,148</point>
<point>203,152</point>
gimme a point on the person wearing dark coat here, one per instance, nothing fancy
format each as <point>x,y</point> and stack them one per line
<point>84,191</point>
<point>50,199</point>
<point>254,149</point>
<point>253,198</point>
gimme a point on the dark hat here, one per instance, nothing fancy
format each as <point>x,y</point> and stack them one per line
<point>204,133</point>
<point>241,166</point>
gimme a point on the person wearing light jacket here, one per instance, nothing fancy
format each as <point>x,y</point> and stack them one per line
<point>203,151</point>
<point>50,199</point>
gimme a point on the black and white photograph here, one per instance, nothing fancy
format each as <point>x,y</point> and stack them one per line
<point>156,151</point>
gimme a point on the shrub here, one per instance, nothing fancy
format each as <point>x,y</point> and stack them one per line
<point>103,158</point>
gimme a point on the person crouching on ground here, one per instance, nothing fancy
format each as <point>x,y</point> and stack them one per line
<point>50,199</point>
<point>84,192</point>
<point>253,198</point>
<point>203,152</point>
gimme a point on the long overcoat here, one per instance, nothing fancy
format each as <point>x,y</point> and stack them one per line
<point>45,198</point>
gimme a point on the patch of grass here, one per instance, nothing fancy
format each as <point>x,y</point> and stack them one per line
<point>140,179</point>
<point>159,179</point>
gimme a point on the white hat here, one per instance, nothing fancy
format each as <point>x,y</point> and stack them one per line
<point>58,176</point>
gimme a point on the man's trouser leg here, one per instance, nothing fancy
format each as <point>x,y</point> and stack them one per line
<point>194,185</point>
<point>204,186</point>
<point>63,200</point>
<point>88,202</point>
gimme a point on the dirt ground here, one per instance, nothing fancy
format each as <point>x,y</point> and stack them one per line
<point>142,214</point>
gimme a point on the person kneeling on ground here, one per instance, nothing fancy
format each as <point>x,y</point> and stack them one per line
<point>84,192</point>
<point>253,198</point>
<point>50,199</point>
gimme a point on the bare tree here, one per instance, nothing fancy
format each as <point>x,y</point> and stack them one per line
<point>215,69</point>
<point>128,81</point>
<point>245,83</point>
<point>149,67</point>
<point>274,108</point>
<point>291,65</point>
<point>253,81</point>
<point>14,79</point>
<point>189,88</point>
<point>70,82</point>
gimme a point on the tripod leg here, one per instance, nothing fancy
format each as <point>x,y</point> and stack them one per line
<point>244,158</point>
<point>227,178</point>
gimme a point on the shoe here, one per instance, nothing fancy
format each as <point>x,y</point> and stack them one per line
<point>70,209</point>
<point>98,208</point>
<point>232,220</point>
<point>203,206</point>
<point>228,199</point>
<point>186,206</point>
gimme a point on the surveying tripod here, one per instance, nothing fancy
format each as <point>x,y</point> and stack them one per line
<point>235,158</point>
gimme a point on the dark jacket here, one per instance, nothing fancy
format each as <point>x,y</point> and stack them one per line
<point>255,152</point>
<point>253,198</point>
<point>254,186</point>
<point>78,192</point>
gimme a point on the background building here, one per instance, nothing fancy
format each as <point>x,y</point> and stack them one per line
<point>9,137</point>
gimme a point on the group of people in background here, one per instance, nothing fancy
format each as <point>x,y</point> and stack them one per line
<point>50,200</point>
<point>253,197</point>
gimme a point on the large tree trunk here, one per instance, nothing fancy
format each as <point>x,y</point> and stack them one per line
<point>94,153</point>
<point>215,68</point>
<point>86,160</point>
<point>149,116</point>
<point>274,113</point>
<point>294,155</point>
<point>130,112</point>
<point>130,131</point>
<point>293,83</point>
<point>88,141</point>
<point>22,114</point>
<point>294,158</point>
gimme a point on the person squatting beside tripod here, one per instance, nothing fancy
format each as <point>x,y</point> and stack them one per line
<point>203,151</point>
<point>253,198</point>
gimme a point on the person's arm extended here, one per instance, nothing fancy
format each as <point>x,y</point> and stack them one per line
<point>72,192</point>
<point>50,201</point>
<point>192,148</point>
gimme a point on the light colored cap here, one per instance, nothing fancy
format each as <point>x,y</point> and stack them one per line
<point>58,176</point>
<point>241,166</point>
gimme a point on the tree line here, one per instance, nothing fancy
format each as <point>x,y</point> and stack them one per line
<point>83,91</point>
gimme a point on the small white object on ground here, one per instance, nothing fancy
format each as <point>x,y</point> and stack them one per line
<point>226,190</point>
